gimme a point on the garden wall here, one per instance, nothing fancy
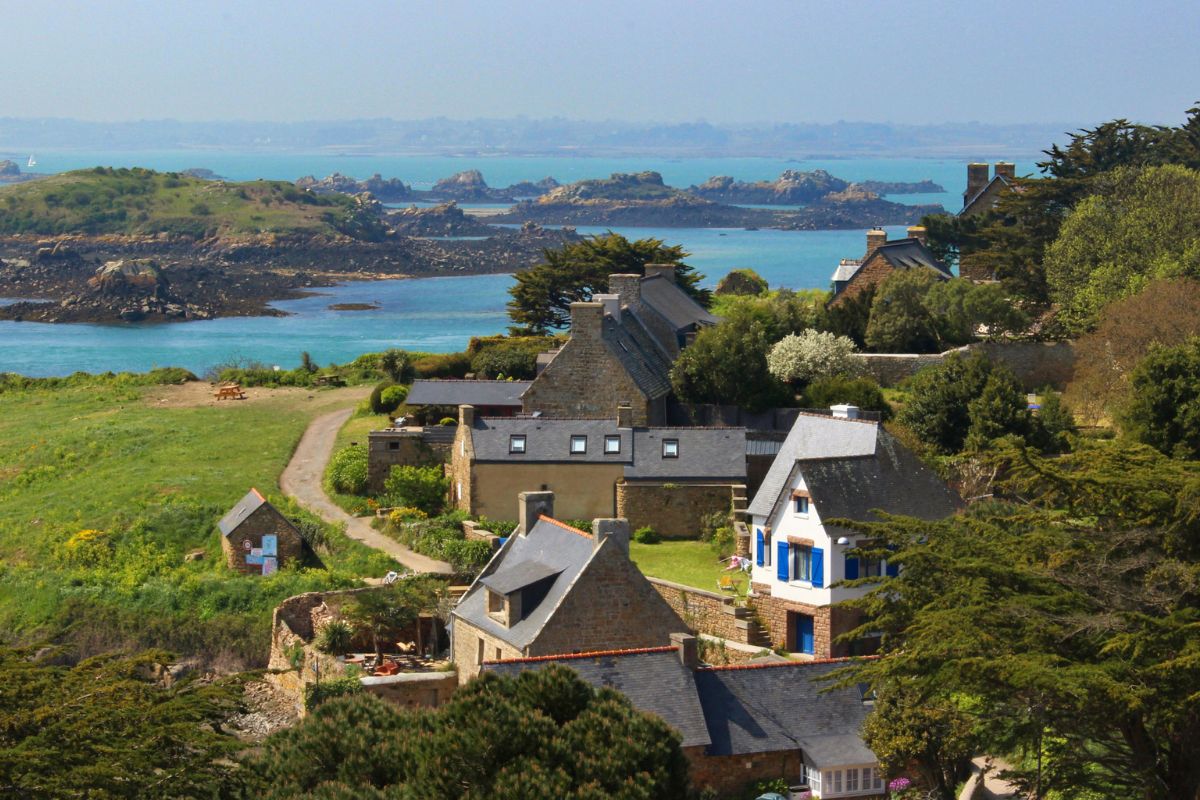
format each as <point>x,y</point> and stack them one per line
<point>1035,364</point>
<point>710,613</point>
<point>674,510</point>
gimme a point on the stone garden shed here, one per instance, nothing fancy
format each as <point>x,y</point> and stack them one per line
<point>256,538</point>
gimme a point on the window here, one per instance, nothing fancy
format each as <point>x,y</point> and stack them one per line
<point>870,568</point>
<point>878,778</point>
<point>837,781</point>
<point>801,505</point>
<point>479,652</point>
<point>612,444</point>
<point>852,780</point>
<point>516,444</point>
<point>578,445</point>
<point>499,655</point>
<point>801,566</point>
<point>670,448</point>
<point>393,445</point>
<point>495,602</point>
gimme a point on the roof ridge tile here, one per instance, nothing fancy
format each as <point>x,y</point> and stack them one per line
<point>632,651</point>
<point>564,525</point>
<point>771,664</point>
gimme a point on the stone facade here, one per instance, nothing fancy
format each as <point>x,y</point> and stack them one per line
<point>413,689</point>
<point>240,545</point>
<point>874,271</point>
<point>586,379</point>
<point>735,776</point>
<point>404,447</point>
<point>710,613</point>
<point>674,510</point>
<point>829,622</point>
<point>1035,364</point>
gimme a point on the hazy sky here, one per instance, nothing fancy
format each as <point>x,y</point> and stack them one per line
<point>914,62</point>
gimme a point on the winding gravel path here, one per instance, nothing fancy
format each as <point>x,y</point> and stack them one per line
<point>301,479</point>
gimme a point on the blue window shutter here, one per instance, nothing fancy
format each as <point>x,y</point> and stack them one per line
<point>760,554</point>
<point>892,569</point>
<point>781,560</point>
<point>818,567</point>
<point>851,568</point>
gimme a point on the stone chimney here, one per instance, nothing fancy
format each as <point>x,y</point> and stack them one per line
<point>586,320</point>
<point>977,178</point>
<point>466,416</point>
<point>1006,169</point>
<point>615,529</point>
<point>689,652</point>
<point>530,506</point>
<point>627,286</point>
<point>917,232</point>
<point>661,270</point>
<point>612,304</point>
<point>875,238</point>
<point>844,411</point>
<point>624,414</point>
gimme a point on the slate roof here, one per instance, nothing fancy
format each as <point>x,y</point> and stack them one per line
<point>674,304</point>
<point>654,680</point>
<point>912,254</point>
<point>474,393</point>
<point>518,576</point>
<point>850,468</point>
<point>643,356</point>
<point>704,453</point>
<point>250,503</point>
<point>783,706</point>
<point>1003,180</point>
<point>549,544</point>
<point>846,269</point>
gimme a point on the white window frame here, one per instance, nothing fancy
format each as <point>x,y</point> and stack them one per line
<point>852,780</point>
<point>581,440</point>
<point>794,562</point>
<point>517,443</point>
<point>796,501</point>
<point>670,448</point>
<point>612,445</point>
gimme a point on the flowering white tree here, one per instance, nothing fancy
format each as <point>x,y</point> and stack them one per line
<point>812,355</point>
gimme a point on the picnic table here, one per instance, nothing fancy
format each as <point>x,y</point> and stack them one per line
<point>230,392</point>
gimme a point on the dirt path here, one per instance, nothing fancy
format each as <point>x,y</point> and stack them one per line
<point>301,479</point>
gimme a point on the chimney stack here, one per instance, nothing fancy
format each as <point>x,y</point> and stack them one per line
<point>917,232</point>
<point>624,414</point>
<point>876,237</point>
<point>844,411</point>
<point>689,652</point>
<point>628,287</point>
<point>615,529</point>
<point>661,270</point>
<point>977,178</point>
<point>530,506</point>
<point>466,416</point>
<point>1006,169</point>
<point>586,319</point>
<point>611,303</point>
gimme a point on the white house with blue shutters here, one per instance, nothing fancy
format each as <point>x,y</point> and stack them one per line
<point>830,467</point>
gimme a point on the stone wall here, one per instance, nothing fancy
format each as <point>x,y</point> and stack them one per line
<point>581,491</point>
<point>413,689</point>
<point>705,612</point>
<point>674,510</point>
<point>403,447</point>
<point>469,654</point>
<point>735,776</point>
<point>828,623</point>
<point>1035,364</point>
<point>263,522</point>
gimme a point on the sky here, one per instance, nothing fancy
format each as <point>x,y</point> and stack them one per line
<point>637,60</point>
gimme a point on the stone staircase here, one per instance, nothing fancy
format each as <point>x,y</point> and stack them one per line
<point>747,623</point>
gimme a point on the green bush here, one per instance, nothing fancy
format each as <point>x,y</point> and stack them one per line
<point>334,639</point>
<point>392,398</point>
<point>417,487</point>
<point>347,471</point>
<point>375,400</point>
<point>317,693</point>
<point>862,392</point>
<point>512,357</point>
<point>446,365</point>
<point>646,535</point>
<point>938,409</point>
<point>467,556</point>
<point>447,422</point>
<point>1165,410</point>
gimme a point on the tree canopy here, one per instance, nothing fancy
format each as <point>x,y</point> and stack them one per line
<point>542,295</point>
<point>727,364</point>
<point>1164,406</point>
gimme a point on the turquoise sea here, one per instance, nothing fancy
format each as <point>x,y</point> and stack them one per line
<point>435,314</point>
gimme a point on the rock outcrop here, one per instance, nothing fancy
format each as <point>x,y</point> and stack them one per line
<point>440,221</point>
<point>793,187</point>
<point>390,190</point>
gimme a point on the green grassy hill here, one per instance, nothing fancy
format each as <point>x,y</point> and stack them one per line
<point>141,201</point>
<point>106,484</point>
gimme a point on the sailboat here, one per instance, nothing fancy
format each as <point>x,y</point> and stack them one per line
<point>32,162</point>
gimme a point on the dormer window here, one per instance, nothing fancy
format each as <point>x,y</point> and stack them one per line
<point>516,444</point>
<point>495,602</point>
<point>612,445</point>
<point>578,445</point>
<point>670,448</point>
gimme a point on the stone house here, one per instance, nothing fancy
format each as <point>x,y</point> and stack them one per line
<point>853,277</point>
<point>621,349</point>
<point>980,197</point>
<point>551,588</point>
<point>743,724</point>
<point>256,538</point>
<point>830,467</point>
<point>667,478</point>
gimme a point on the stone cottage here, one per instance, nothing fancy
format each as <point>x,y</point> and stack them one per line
<point>980,197</point>
<point>256,538</point>
<point>621,350</point>
<point>853,277</point>
<point>667,478</point>
<point>838,467</point>
<point>744,724</point>
<point>551,588</point>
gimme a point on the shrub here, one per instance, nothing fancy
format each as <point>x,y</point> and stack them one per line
<point>397,365</point>
<point>375,400</point>
<point>467,556</point>
<point>407,514</point>
<point>741,282</point>
<point>862,392</point>
<point>317,693</point>
<point>334,639</point>
<point>392,398</point>
<point>347,471</point>
<point>999,410</point>
<point>808,356</point>
<point>447,422</point>
<point>448,365</point>
<point>1054,424</point>
<point>1165,410</point>
<point>512,357</point>
<point>646,535</point>
<point>423,488</point>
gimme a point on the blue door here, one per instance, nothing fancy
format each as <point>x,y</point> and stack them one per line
<point>804,633</point>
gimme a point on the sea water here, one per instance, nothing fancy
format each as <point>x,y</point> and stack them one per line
<point>437,314</point>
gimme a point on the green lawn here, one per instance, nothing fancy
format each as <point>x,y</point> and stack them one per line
<point>688,562</point>
<point>151,469</point>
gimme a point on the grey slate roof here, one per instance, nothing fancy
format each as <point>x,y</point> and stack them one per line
<point>704,453</point>
<point>1003,180</point>
<point>475,393</point>
<point>911,254</point>
<point>549,544</point>
<point>548,439</point>
<point>845,270</point>
<point>674,304</point>
<point>774,707</point>
<point>643,356</point>
<point>250,503</point>
<point>505,580</point>
<point>654,681</point>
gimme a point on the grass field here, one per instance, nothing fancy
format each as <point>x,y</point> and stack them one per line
<point>104,489</point>
<point>688,562</point>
